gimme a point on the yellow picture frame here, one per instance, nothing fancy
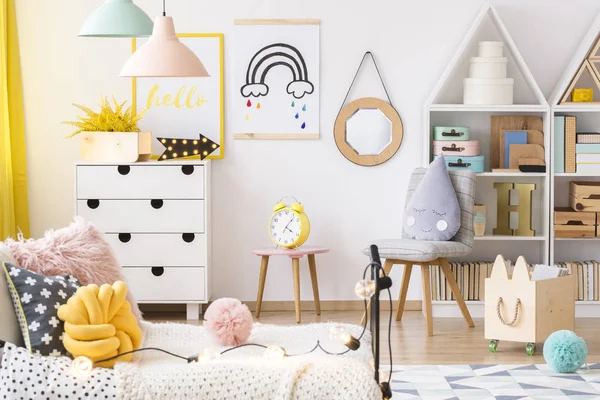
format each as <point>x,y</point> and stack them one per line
<point>220,36</point>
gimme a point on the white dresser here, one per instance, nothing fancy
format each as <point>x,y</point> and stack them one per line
<point>156,216</point>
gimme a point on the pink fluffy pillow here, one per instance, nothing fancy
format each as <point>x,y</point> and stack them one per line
<point>79,250</point>
<point>228,321</point>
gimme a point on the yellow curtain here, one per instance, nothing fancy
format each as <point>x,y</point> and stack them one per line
<point>14,207</point>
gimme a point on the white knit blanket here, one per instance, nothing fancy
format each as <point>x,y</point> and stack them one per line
<point>244,373</point>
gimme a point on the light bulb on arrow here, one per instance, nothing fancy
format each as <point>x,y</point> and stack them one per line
<point>181,148</point>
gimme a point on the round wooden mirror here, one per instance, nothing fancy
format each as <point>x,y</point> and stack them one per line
<point>368,131</point>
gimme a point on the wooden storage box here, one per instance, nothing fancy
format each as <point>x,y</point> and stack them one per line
<point>116,147</point>
<point>584,196</point>
<point>450,133</point>
<point>456,148</point>
<point>474,164</point>
<point>545,306</point>
<point>572,224</point>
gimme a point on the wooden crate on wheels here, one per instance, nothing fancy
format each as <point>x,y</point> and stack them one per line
<point>518,309</point>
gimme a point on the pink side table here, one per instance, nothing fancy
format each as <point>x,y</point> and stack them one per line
<point>295,255</point>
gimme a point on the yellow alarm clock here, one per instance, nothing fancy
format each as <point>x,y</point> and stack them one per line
<point>289,226</point>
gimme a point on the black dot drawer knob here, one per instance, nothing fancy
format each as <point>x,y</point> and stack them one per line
<point>124,237</point>
<point>158,271</point>
<point>93,204</point>
<point>188,237</point>
<point>156,204</point>
<point>187,169</point>
<point>124,169</point>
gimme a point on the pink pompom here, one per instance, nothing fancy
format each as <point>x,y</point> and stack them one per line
<point>228,321</point>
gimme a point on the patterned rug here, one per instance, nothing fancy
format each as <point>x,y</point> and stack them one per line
<point>503,382</point>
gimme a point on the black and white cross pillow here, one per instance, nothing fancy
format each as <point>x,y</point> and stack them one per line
<point>36,299</point>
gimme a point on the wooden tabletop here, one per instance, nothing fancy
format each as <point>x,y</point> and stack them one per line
<point>292,253</point>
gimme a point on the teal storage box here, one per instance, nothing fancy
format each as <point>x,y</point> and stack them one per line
<point>450,133</point>
<point>456,163</point>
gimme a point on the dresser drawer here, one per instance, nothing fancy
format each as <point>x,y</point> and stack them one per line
<point>166,284</point>
<point>146,216</point>
<point>181,181</point>
<point>162,250</point>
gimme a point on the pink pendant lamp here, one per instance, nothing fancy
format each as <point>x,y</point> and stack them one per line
<point>163,55</point>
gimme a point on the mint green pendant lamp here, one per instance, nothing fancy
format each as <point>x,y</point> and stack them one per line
<point>117,18</point>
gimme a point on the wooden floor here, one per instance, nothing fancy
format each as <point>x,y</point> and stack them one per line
<point>453,342</point>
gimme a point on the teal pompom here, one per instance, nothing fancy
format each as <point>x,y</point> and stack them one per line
<point>564,351</point>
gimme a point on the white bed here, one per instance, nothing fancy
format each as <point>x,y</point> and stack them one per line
<point>240,374</point>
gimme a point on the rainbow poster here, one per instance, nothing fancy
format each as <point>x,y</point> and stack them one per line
<point>276,82</point>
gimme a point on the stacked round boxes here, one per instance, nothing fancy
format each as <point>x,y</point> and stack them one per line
<point>487,82</point>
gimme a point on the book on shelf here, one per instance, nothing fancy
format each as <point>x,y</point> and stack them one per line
<point>587,148</point>
<point>588,167</point>
<point>588,138</point>
<point>587,279</point>
<point>470,278</point>
<point>559,144</point>
<point>570,144</point>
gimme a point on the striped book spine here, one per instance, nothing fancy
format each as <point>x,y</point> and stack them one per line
<point>570,143</point>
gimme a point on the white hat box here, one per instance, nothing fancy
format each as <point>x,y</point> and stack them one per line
<point>489,48</point>
<point>488,91</point>
<point>488,67</point>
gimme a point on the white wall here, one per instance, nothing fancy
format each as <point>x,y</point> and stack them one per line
<point>348,205</point>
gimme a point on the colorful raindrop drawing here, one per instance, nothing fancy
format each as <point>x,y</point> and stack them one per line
<point>276,69</point>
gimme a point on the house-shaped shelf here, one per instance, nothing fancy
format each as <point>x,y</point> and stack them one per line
<point>488,26</point>
<point>582,72</point>
<point>445,107</point>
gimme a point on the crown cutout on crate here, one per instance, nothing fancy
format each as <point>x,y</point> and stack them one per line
<point>487,26</point>
<point>184,147</point>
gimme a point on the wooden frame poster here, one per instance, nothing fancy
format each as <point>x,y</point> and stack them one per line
<point>276,79</point>
<point>185,107</point>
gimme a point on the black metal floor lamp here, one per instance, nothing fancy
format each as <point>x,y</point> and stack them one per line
<point>382,282</point>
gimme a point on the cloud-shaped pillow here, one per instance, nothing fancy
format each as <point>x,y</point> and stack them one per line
<point>433,212</point>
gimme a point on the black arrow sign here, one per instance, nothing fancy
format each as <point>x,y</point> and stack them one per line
<point>180,148</point>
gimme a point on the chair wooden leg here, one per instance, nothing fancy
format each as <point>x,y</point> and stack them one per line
<point>459,298</point>
<point>261,283</point>
<point>387,268</point>
<point>403,290</point>
<point>312,266</point>
<point>427,298</point>
<point>296,270</point>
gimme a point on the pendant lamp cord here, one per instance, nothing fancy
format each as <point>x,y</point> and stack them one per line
<point>164,8</point>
